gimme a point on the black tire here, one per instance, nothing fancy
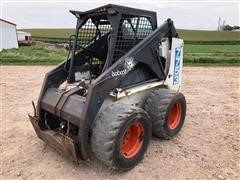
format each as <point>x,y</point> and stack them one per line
<point>108,133</point>
<point>160,106</point>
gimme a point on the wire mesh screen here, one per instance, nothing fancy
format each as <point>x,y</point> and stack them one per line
<point>131,31</point>
<point>91,32</point>
<point>144,28</point>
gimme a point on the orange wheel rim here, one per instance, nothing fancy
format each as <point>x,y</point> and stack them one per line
<point>174,116</point>
<point>132,140</point>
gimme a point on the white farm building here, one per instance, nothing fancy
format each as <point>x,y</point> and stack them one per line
<point>24,38</point>
<point>8,35</point>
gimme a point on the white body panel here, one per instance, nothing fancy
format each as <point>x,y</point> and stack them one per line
<point>8,36</point>
<point>174,77</point>
<point>164,49</point>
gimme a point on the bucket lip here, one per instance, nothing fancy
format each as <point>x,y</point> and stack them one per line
<point>58,141</point>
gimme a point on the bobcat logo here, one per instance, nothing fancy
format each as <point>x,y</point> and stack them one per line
<point>119,73</point>
<point>129,63</point>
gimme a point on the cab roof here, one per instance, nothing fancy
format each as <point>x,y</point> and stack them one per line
<point>114,9</point>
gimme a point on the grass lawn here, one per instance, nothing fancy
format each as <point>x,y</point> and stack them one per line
<point>50,33</point>
<point>212,54</point>
<point>201,48</point>
<point>36,54</point>
<point>205,48</point>
<point>62,35</point>
<point>193,55</point>
<point>199,35</point>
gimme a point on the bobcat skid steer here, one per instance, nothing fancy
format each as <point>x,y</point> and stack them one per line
<point>119,85</point>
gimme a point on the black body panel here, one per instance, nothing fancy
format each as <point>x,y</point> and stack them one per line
<point>67,106</point>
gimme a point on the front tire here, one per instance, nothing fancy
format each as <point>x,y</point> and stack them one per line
<point>167,110</point>
<point>121,136</point>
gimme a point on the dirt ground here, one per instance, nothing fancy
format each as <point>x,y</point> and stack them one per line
<point>206,148</point>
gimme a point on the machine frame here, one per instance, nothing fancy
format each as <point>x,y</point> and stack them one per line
<point>145,51</point>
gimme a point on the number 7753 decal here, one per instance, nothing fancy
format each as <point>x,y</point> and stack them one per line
<point>176,75</point>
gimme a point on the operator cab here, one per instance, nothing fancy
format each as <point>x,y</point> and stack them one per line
<point>103,35</point>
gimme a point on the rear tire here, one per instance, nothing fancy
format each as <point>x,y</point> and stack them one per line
<point>120,136</point>
<point>167,110</point>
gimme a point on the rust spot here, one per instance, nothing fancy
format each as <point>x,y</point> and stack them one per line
<point>126,93</point>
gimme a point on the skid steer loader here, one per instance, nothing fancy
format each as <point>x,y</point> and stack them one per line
<point>119,84</point>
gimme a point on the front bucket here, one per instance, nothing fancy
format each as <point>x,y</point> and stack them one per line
<point>63,144</point>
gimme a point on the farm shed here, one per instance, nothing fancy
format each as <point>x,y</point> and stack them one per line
<point>24,38</point>
<point>8,35</point>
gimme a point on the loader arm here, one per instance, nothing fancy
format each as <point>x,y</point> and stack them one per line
<point>144,52</point>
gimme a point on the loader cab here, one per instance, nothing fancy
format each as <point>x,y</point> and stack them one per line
<point>104,35</point>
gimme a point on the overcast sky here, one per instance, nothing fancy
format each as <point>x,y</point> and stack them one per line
<point>188,14</point>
